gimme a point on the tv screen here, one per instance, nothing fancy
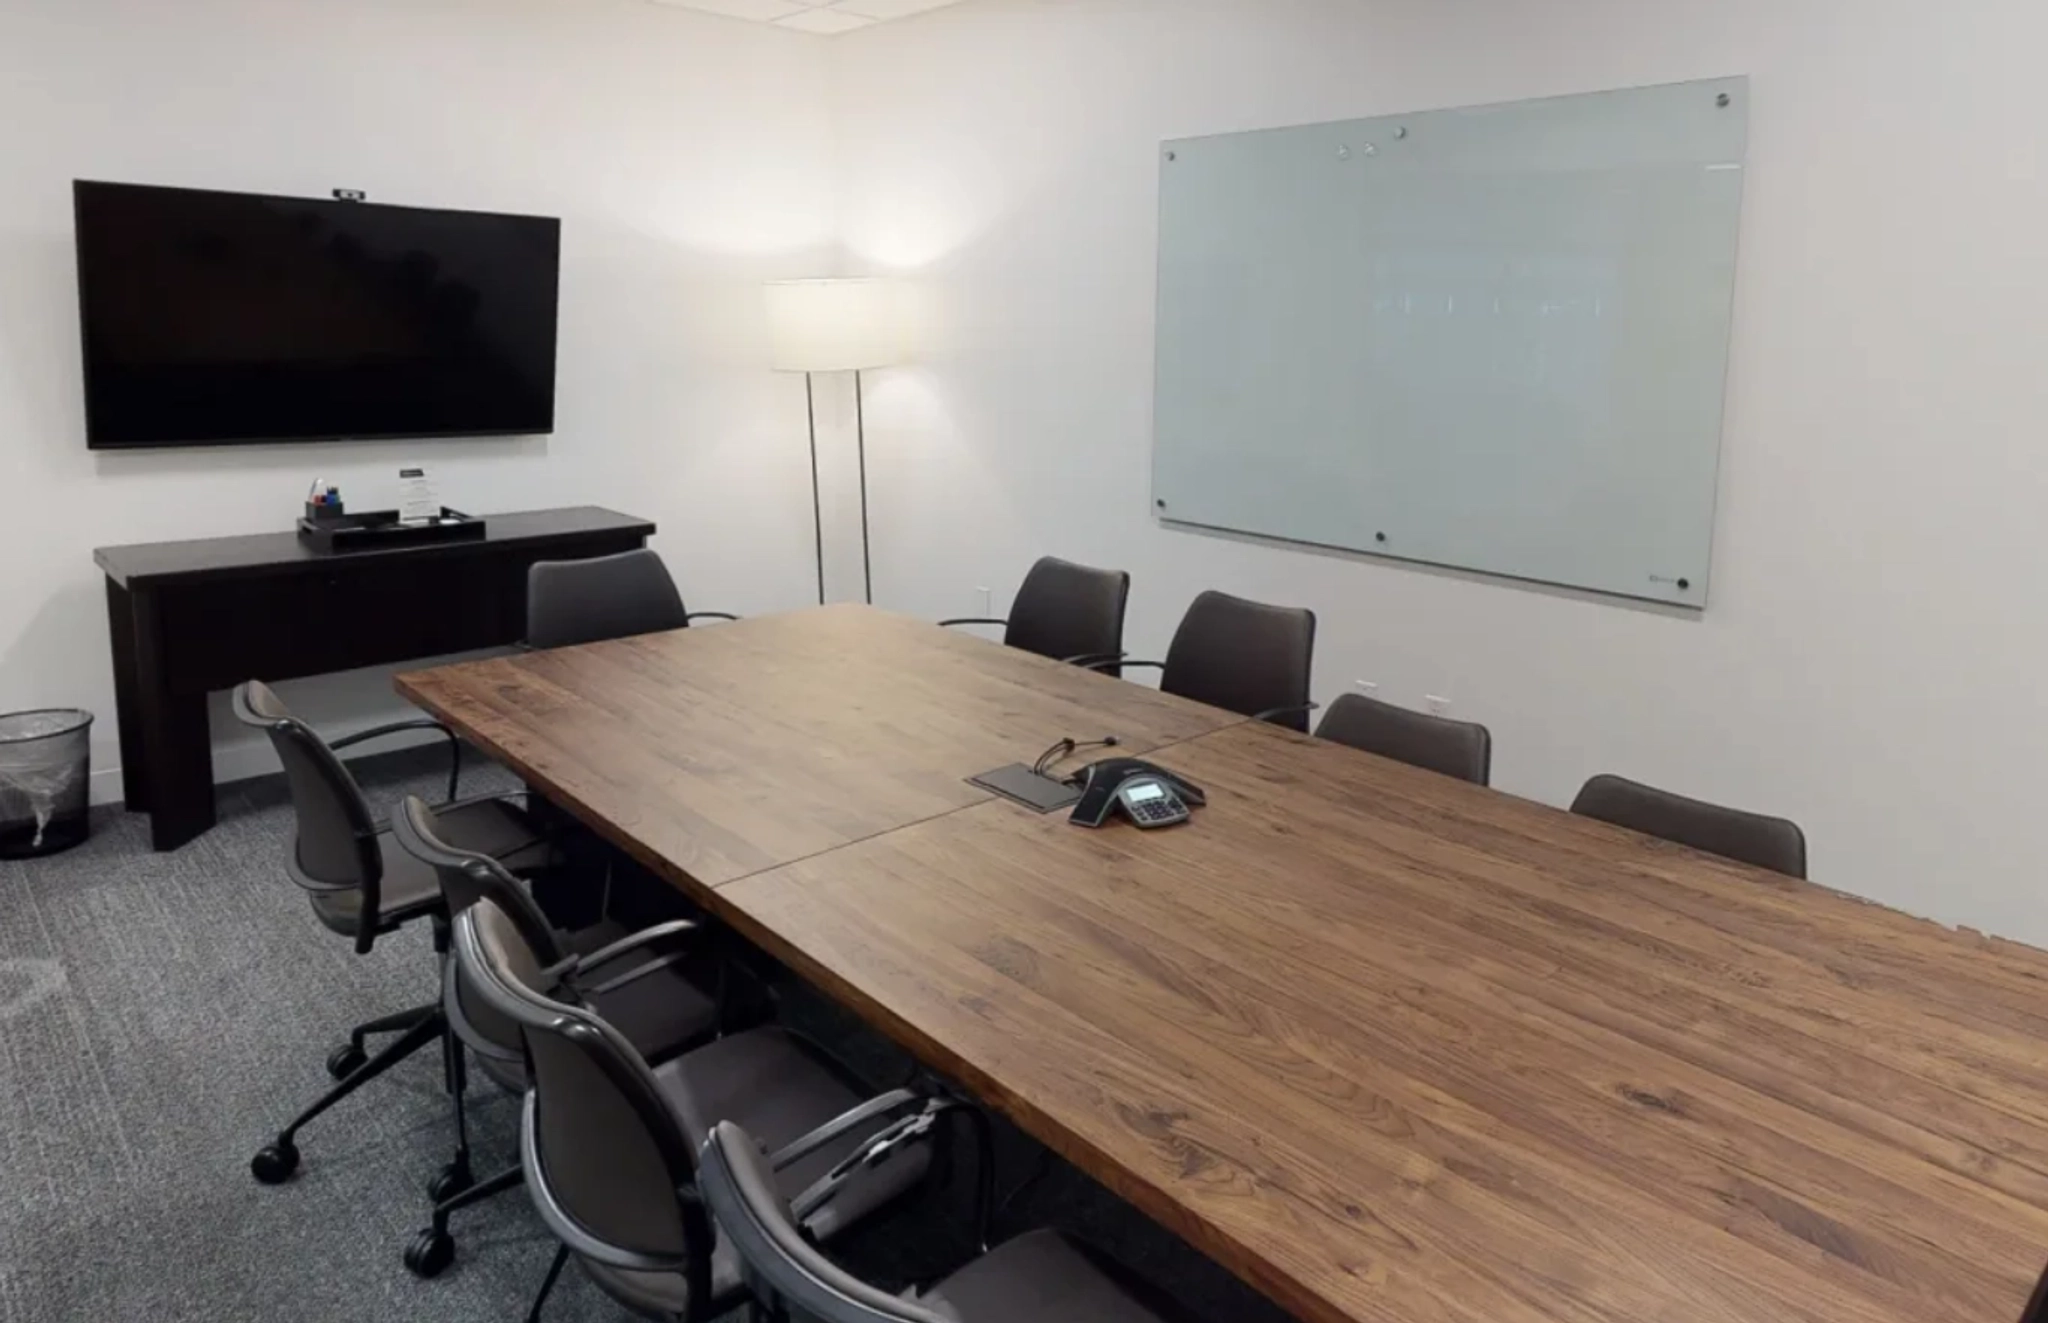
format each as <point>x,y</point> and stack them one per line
<point>221,318</point>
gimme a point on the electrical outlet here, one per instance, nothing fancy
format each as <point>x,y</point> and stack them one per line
<point>1438,704</point>
<point>1370,688</point>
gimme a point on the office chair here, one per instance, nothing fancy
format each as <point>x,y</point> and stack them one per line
<point>1041,1277</point>
<point>628,978</point>
<point>609,1144</point>
<point>1068,612</point>
<point>1241,656</point>
<point>362,889</point>
<point>1463,749</point>
<point>606,597</point>
<point>1749,838</point>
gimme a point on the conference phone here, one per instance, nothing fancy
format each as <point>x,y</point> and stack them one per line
<point>1148,795</point>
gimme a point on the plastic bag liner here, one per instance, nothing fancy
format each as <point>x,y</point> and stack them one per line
<point>45,766</point>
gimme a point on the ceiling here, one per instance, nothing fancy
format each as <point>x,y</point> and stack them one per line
<point>828,16</point>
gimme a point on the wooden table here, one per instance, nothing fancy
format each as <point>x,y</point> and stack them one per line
<point>1391,1047</point>
<point>712,753</point>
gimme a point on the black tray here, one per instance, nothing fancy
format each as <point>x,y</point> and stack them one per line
<point>379,530</point>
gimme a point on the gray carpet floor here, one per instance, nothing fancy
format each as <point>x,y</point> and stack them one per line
<point>161,1016</point>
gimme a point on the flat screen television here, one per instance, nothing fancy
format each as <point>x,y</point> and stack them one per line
<point>229,318</point>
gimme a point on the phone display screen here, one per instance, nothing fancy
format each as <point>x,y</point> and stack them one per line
<point>1145,794</point>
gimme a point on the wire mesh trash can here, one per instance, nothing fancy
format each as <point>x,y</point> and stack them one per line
<point>45,780</point>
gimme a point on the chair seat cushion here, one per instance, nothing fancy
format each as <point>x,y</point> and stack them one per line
<point>661,1013</point>
<point>410,888</point>
<point>1039,1276</point>
<point>769,1084</point>
<point>766,1081</point>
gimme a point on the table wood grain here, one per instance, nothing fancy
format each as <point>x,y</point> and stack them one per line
<point>1398,1049</point>
<point>717,751</point>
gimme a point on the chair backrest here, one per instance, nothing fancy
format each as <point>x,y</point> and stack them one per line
<point>335,845</point>
<point>1243,656</point>
<point>1750,838</point>
<point>467,877</point>
<point>1064,610</point>
<point>607,597</point>
<point>606,1160</point>
<point>780,1264</point>
<point>1463,749</point>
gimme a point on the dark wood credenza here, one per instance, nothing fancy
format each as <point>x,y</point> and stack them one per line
<point>188,618</point>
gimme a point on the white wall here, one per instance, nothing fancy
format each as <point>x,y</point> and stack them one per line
<point>1870,663</point>
<point>689,157</point>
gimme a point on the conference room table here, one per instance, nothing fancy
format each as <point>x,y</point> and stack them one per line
<point>1390,1047</point>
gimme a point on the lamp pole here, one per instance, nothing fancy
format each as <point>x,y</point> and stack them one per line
<point>817,493</point>
<point>835,325</point>
<point>860,424</point>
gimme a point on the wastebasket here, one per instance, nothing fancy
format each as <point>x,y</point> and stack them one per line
<point>45,780</point>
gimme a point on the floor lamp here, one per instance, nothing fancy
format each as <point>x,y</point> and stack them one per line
<point>835,326</point>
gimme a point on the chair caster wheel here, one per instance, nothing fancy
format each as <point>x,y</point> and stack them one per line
<point>430,1253</point>
<point>452,1180</point>
<point>345,1061</point>
<point>274,1165</point>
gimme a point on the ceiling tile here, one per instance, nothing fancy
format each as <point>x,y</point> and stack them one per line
<point>761,10</point>
<point>892,8</point>
<point>824,20</point>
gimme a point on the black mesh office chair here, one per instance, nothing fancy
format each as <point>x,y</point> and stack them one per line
<point>609,1144</point>
<point>1463,749</point>
<point>1749,838</point>
<point>1067,612</point>
<point>1242,656</point>
<point>606,597</point>
<point>634,980</point>
<point>362,889</point>
<point>1041,1277</point>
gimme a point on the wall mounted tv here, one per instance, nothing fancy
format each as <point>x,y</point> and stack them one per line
<point>229,318</point>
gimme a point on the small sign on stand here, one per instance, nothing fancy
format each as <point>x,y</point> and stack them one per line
<point>417,501</point>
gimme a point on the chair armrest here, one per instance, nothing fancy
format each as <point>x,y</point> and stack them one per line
<point>1272,712</point>
<point>417,723</point>
<point>710,615</point>
<point>873,1151</point>
<point>873,1109</point>
<point>1118,661</point>
<point>395,728</point>
<point>1092,660</point>
<point>972,620</point>
<point>671,932</point>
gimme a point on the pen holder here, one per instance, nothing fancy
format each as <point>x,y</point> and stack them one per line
<point>320,514</point>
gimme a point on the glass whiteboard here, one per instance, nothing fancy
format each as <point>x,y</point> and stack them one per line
<point>1491,338</point>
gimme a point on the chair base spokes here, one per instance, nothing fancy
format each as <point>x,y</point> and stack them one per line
<point>278,1161</point>
<point>433,1249</point>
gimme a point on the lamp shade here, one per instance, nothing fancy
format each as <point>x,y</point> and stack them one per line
<point>834,325</point>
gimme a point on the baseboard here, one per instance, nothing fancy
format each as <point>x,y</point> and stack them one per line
<point>105,786</point>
